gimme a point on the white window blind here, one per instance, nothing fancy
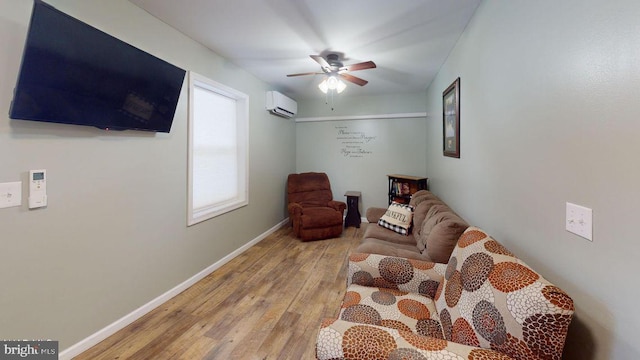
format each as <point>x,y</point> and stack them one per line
<point>218,141</point>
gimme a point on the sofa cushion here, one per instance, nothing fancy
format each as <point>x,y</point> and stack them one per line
<point>421,192</point>
<point>377,246</point>
<point>392,308</point>
<point>420,196</point>
<point>438,209</point>
<point>397,218</point>
<point>422,232</point>
<point>410,275</point>
<point>421,212</point>
<point>440,232</point>
<point>340,339</point>
<point>379,232</point>
<point>443,238</point>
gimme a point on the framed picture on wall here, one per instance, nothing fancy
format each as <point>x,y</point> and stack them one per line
<point>451,120</point>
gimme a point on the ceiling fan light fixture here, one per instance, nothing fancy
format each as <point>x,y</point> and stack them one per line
<point>335,72</point>
<point>341,86</point>
<point>323,86</point>
<point>332,83</point>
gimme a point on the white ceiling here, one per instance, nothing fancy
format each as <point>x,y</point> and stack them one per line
<point>409,40</point>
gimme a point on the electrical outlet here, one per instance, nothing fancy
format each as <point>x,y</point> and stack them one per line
<point>579,221</point>
<point>10,194</point>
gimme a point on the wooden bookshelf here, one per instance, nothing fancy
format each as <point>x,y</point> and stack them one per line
<point>402,187</point>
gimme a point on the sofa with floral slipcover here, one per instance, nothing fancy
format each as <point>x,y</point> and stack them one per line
<point>485,303</point>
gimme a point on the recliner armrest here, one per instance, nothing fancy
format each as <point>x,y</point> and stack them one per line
<point>294,209</point>
<point>338,205</point>
<point>416,276</point>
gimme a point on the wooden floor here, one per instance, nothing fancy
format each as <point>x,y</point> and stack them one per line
<point>266,303</point>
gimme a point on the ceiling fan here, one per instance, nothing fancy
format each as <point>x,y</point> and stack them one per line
<point>334,69</point>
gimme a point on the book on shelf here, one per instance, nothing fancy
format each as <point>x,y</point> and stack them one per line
<point>401,188</point>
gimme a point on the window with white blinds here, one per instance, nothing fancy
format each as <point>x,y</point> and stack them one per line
<point>218,149</point>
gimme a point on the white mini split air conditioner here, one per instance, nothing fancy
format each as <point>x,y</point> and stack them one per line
<point>281,105</point>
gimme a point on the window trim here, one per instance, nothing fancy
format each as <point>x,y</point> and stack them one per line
<point>195,216</point>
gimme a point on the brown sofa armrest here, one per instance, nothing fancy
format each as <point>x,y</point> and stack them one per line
<point>338,205</point>
<point>416,276</point>
<point>374,214</point>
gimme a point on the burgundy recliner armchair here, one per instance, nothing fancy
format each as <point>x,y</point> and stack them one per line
<point>312,211</point>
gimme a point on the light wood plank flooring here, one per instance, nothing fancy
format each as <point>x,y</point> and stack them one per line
<point>266,303</point>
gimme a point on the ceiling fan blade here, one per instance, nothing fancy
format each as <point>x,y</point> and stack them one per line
<point>354,79</point>
<point>323,63</point>
<point>359,66</point>
<point>307,73</point>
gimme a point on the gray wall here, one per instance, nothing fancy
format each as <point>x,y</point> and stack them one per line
<point>358,154</point>
<point>550,105</point>
<point>114,235</point>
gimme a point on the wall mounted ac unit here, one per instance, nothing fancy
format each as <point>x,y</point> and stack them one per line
<point>281,105</point>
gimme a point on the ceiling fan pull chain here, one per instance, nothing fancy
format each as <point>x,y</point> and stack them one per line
<point>328,95</point>
<point>332,93</point>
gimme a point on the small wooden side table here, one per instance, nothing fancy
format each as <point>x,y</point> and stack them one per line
<point>353,213</point>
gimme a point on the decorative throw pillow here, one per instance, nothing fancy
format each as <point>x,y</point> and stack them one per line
<point>397,218</point>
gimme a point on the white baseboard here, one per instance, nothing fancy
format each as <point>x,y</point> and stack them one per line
<point>121,323</point>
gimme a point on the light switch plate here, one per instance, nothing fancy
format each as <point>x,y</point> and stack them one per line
<point>579,221</point>
<point>10,194</point>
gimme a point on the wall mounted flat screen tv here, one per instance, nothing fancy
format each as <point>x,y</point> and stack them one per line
<point>73,73</point>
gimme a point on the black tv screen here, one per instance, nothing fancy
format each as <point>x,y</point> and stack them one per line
<point>73,73</point>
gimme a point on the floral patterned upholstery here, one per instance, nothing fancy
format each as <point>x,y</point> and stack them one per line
<point>488,304</point>
<point>390,272</point>
<point>339,339</point>
<point>394,309</point>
